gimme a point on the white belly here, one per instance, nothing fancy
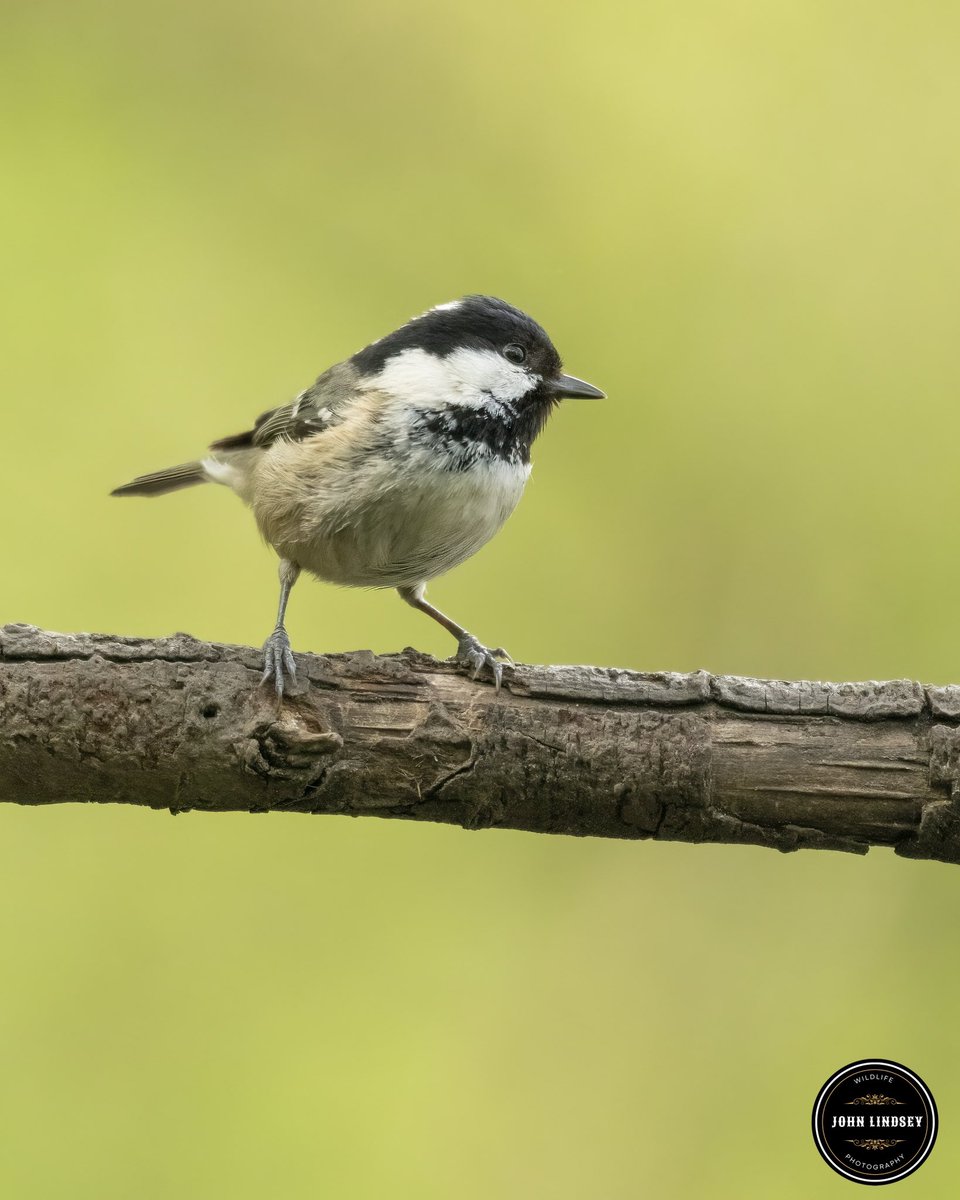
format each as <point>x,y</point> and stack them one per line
<point>387,529</point>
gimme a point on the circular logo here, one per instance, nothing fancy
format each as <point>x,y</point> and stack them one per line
<point>874,1121</point>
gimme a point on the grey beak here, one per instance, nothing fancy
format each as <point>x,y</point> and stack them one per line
<point>569,385</point>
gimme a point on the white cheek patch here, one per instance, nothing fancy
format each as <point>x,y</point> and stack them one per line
<point>466,377</point>
<point>413,376</point>
<point>487,373</point>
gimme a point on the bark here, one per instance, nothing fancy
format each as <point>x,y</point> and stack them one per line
<point>180,724</point>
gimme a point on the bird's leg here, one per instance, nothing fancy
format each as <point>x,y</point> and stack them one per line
<point>470,653</point>
<point>277,655</point>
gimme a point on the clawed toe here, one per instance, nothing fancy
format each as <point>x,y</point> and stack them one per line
<point>474,656</point>
<point>278,661</point>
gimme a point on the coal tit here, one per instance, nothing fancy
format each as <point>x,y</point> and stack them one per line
<point>398,463</point>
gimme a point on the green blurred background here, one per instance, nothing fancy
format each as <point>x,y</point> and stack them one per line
<point>740,219</point>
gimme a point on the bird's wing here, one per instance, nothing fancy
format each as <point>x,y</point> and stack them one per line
<point>318,408</point>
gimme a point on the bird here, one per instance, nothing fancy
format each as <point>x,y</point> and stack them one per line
<point>397,464</point>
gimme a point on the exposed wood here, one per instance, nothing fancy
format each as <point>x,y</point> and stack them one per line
<point>180,724</point>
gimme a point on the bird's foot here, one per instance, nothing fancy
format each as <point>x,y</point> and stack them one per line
<point>278,660</point>
<point>475,656</point>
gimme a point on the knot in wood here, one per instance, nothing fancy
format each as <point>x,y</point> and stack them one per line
<point>287,746</point>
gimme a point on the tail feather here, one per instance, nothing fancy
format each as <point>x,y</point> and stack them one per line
<point>160,482</point>
<point>236,441</point>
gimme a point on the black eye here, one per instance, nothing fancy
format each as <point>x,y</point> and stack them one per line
<point>515,353</point>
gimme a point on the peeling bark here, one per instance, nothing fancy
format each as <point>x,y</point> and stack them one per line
<point>180,724</point>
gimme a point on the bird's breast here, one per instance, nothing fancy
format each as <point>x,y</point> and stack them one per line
<point>382,519</point>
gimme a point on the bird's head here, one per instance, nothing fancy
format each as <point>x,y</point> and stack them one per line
<point>478,352</point>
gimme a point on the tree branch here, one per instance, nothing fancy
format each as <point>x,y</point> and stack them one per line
<point>180,724</point>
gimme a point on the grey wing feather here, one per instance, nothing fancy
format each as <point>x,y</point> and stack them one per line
<point>316,409</point>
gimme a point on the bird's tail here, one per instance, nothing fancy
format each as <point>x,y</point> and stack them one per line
<point>161,482</point>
